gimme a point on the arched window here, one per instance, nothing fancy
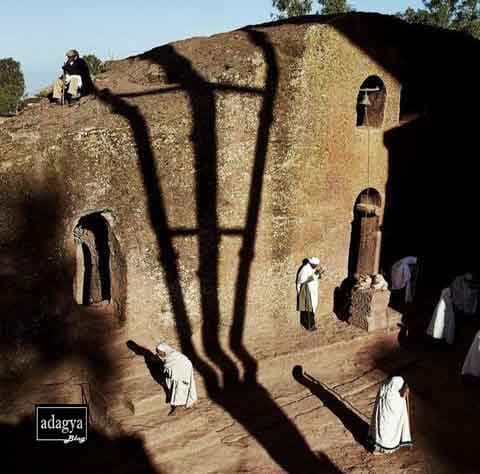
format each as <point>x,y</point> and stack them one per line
<point>366,235</point>
<point>371,103</point>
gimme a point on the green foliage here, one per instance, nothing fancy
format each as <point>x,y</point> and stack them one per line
<point>12,85</point>
<point>460,15</point>
<point>289,8</point>
<point>95,65</point>
<point>332,7</point>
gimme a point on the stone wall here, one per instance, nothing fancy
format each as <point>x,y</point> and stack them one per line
<point>222,163</point>
<point>333,153</point>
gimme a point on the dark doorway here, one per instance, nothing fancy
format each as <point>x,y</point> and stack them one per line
<point>93,282</point>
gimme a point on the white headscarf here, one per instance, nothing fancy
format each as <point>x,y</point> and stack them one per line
<point>314,260</point>
<point>442,324</point>
<point>178,376</point>
<point>177,366</point>
<point>390,426</point>
<point>391,389</point>
<point>164,347</point>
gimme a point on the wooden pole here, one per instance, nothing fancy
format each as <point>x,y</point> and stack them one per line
<point>62,100</point>
<point>408,408</point>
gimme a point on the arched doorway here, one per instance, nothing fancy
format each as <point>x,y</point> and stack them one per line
<point>93,278</point>
<point>366,235</point>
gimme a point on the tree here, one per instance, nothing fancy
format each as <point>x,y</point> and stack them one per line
<point>12,85</point>
<point>95,65</point>
<point>468,17</point>
<point>289,8</point>
<point>332,7</point>
<point>460,15</point>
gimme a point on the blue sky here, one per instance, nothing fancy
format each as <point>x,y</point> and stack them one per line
<point>37,33</point>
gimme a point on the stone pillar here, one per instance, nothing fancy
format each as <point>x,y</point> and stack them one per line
<point>367,253</point>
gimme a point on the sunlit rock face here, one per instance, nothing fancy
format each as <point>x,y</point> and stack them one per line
<point>179,201</point>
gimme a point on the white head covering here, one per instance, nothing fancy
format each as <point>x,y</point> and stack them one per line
<point>178,364</point>
<point>392,387</point>
<point>164,347</point>
<point>179,376</point>
<point>314,260</point>
<point>390,427</point>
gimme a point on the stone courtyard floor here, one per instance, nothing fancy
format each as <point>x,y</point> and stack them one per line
<point>307,420</point>
<point>294,424</point>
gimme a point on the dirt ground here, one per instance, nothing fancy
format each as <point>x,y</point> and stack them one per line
<point>290,423</point>
<point>291,419</point>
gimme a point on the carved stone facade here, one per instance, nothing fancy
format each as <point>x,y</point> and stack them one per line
<point>223,162</point>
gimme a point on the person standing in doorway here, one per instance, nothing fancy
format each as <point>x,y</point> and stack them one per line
<point>307,292</point>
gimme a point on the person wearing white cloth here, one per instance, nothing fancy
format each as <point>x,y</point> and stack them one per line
<point>307,291</point>
<point>442,324</point>
<point>178,371</point>
<point>471,366</point>
<point>402,276</point>
<point>390,424</point>
<point>464,297</point>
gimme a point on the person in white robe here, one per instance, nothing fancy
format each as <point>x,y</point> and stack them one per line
<point>442,324</point>
<point>390,424</point>
<point>464,296</point>
<point>307,291</point>
<point>179,377</point>
<point>401,274</point>
<point>471,365</point>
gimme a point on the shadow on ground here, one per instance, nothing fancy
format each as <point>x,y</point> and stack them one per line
<point>21,454</point>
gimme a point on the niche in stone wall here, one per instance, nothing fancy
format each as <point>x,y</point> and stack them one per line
<point>371,103</point>
<point>101,270</point>
<point>93,279</point>
<point>366,234</point>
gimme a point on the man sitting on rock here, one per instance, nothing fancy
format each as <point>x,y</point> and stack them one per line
<point>75,81</point>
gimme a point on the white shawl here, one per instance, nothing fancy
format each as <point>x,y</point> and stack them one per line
<point>402,276</point>
<point>179,376</point>
<point>390,426</point>
<point>442,324</point>
<point>471,366</point>
<point>308,276</point>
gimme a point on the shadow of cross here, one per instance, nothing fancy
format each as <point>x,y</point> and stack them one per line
<point>289,451</point>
